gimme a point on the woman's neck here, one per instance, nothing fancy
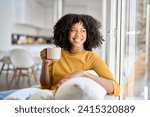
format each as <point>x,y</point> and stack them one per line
<point>76,50</point>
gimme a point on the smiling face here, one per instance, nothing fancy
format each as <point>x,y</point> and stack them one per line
<point>77,36</point>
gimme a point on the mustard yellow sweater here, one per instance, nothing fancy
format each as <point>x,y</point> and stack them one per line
<point>86,60</point>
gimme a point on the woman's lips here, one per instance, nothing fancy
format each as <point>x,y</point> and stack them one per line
<point>77,40</point>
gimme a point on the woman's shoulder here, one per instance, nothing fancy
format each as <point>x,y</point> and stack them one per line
<point>93,55</point>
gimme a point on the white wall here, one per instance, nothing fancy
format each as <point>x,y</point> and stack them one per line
<point>5,24</point>
<point>90,7</point>
<point>23,29</point>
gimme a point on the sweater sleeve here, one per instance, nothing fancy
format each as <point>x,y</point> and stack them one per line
<point>103,71</point>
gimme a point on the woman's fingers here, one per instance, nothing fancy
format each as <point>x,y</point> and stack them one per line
<point>43,54</point>
<point>61,82</point>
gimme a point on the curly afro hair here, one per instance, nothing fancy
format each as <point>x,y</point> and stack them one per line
<point>61,29</point>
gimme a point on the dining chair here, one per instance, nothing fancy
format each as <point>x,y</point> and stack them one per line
<point>24,64</point>
<point>6,66</point>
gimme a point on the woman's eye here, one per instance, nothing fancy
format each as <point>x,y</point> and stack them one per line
<point>73,30</point>
<point>83,30</point>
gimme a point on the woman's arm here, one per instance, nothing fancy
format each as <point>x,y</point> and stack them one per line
<point>45,77</point>
<point>107,84</point>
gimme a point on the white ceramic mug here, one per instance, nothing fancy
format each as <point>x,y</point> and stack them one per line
<point>54,53</point>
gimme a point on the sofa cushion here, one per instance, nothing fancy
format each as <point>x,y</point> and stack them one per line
<point>80,88</point>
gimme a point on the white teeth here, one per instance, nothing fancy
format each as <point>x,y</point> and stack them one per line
<point>77,40</point>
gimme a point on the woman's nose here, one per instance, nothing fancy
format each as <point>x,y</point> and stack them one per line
<point>78,32</point>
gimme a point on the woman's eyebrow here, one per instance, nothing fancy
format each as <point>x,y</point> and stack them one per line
<point>76,28</point>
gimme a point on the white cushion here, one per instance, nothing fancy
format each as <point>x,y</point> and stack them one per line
<point>31,94</point>
<point>43,94</point>
<point>80,88</point>
<point>22,94</point>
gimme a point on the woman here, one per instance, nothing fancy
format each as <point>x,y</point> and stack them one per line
<point>77,35</point>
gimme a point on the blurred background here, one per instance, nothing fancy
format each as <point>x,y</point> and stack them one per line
<point>28,24</point>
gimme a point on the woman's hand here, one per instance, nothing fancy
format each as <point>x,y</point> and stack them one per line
<point>70,76</point>
<point>61,82</point>
<point>44,56</point>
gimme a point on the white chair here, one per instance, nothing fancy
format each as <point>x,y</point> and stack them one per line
<point>23,65</point>
<point>6,63</point>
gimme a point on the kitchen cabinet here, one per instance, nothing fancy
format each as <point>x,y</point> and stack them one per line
<point>28,12</point>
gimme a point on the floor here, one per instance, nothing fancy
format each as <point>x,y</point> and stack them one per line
<point>23,83</point>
